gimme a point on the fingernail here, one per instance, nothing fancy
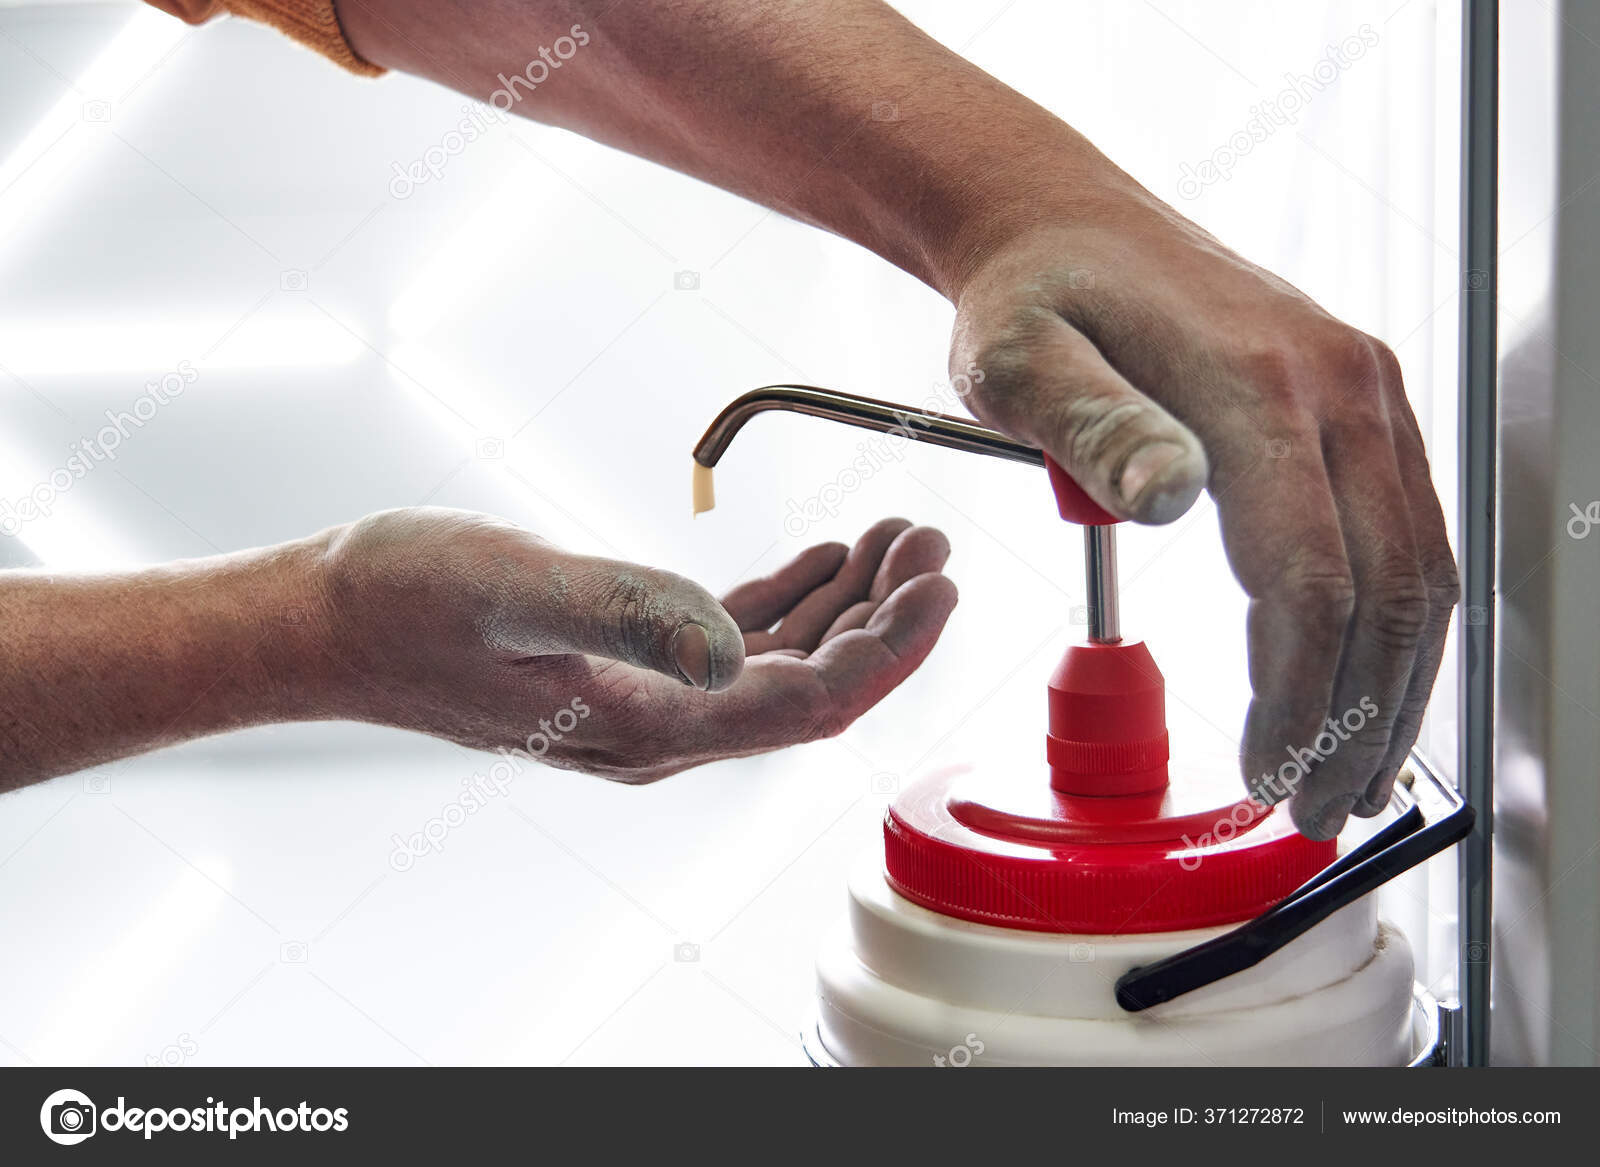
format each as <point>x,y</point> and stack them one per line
<point>1144,465</point>
<point>691,649</point>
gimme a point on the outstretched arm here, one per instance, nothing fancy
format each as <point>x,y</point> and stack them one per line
<point>93,667</point>
<point>838,112</point>
<point>1138,350</point>
<point>467,628</point>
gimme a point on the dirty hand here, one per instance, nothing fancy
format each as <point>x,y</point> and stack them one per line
<point>1151,362</point>
<point>472,629</point>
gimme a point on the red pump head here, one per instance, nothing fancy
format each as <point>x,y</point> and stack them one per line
<point>1108,711</point>
<point>1108,721</point>
<point>1107,846</point>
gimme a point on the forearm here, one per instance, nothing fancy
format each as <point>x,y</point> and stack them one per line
<point>97,667</point>
<point>837,112</point>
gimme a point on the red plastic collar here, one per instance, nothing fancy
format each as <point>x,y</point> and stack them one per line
<point>1007,850</point>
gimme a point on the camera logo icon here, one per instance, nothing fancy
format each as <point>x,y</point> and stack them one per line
<point>293,952</point>
<point>67,1117</point>
<point>97,110</point>
<point>686,281</point>
<point>686,953</point>
<point>489,449</point>
<point>293,280</point>
<point>884,783</point>
<point>1277,447</point>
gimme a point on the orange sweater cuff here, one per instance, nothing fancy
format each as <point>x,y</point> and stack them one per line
<point>313,23</point>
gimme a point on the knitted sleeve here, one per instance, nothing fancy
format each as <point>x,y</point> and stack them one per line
<point>313,23</point>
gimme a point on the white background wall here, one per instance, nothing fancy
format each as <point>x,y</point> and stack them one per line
<point>509,338</point>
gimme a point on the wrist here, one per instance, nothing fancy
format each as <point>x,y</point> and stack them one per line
<point>1064,190</point>
<point>283,594</point>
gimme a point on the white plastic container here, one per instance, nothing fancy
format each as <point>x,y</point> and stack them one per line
<point>902,985</point>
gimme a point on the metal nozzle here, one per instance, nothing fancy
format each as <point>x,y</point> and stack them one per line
<point>940,429</point>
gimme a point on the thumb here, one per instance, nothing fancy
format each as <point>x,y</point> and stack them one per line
<point>642,616</point>
<point>1128,453</point>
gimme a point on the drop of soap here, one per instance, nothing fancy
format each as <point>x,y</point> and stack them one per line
<point>705,494</point>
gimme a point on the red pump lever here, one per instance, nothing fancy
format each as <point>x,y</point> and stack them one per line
<point>1071,500</point>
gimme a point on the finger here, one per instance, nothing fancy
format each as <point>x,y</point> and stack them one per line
<point>1443,590</point>
<point>1390,610</point>
<point>1051,387</point>
<point>803,627</point>
<point>640,615</point>
<point>1281,533</point>
<point>781,701</point>
<point>855,616</point>
<point>760,603</point>
<point>861,667</point>
<point>915,551</point>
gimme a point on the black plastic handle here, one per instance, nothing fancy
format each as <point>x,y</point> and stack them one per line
<point>1419,833</point>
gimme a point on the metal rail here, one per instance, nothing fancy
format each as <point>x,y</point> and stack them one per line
<point>1477,432</point>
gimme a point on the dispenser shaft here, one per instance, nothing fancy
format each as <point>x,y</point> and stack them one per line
<point>1100,572</point>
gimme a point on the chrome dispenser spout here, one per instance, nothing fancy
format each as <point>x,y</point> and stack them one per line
<point>940,429</point>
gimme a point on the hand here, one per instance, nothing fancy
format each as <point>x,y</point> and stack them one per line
<point>1150,361</point>
<point>472,629</point>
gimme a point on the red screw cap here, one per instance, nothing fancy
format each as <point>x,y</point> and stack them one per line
<point>995,845</point>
